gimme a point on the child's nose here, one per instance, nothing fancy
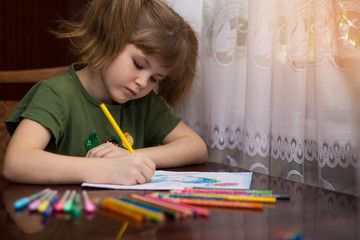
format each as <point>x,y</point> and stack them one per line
<point>142,80</point>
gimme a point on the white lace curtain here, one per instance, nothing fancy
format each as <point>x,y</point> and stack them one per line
<point>272,93</point>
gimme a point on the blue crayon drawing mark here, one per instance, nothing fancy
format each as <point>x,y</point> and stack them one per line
<point>202,180</point>
<point>158,178</point>
<point>188,179</point>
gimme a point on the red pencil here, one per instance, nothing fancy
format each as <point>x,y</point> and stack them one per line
<point>171,209</point>
<point>219,203</point>
<point>196,210</point>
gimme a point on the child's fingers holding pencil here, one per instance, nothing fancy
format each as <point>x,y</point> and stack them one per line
<point>108,150</point>
<point>116,152</point>
<point>129,169</point>
<point>145,166</point>
<point>146,174</point>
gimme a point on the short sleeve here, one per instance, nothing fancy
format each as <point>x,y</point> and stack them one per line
<point>45,105</point>
<point>160,121</point>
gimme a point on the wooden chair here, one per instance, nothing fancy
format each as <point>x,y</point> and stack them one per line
<point>14,84</point>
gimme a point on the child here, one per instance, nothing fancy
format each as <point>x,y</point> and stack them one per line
<point>131,47</point>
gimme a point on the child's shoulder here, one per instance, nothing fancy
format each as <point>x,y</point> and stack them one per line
<point>65,81</point>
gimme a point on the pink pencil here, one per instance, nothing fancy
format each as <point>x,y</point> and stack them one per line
<point>34,204</point>
<point>174,211</point>
<point>197,210</point>
<point>89,205</point>
<point>208,191</point>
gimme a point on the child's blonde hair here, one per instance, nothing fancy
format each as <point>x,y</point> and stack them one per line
<point>106,26</point>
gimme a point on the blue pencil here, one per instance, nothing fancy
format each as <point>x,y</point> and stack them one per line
<point>152,215</point>
<point>140,204</point>
<point>49,210</point>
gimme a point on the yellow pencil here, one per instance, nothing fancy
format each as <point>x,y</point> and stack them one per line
<point>116,127</point>
<point>238,197</point>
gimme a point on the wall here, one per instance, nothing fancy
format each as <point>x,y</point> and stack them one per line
<point>25,41</point>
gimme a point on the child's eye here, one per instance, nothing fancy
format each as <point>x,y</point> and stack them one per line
<point>137,65</point>
<point>153,80</point>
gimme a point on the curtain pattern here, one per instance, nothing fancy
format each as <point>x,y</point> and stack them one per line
<point>271,91</point>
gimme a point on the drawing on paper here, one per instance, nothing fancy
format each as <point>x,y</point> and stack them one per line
<point>169,180</point>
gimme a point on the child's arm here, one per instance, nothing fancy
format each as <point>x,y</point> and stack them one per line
<point>27,162</point>
<point>182,146</point>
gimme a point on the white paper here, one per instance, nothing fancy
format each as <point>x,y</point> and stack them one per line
<point>170,180</point>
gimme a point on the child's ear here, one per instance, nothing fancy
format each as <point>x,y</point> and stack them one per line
<point>156,89</point>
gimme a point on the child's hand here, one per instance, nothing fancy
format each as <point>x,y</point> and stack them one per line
<point>106,150</point>
<point>129,169</point>
<point>120,166</point>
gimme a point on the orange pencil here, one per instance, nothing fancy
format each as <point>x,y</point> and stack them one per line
<point>219,203</point>
<point>137,217</point>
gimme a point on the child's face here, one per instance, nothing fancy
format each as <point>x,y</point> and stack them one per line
<point>131,75</point>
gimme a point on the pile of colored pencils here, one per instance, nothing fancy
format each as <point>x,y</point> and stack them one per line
<point>140,208</point>
<point>155,207</point>
<point>249,199</point>
<point>180,203</point>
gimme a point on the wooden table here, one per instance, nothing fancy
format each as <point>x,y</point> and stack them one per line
<point>313,212</point>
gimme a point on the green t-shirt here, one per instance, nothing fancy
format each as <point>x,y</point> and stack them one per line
<point>74,118</point>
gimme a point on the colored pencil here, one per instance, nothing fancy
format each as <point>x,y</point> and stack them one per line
<point>246,193</point>
<point>197,211</point>
<point>122,230</point>
<point>232,190</point>
<point>34,204</point>
<point>212,191</point>
<point>23,202</point>
<point>59,206</point>
<point>120,217</point>
<point>169,209</point>
<point>136,217</point>
<point>155,216</point>
<point>69,204</point>
<point>49,210</point>
<point>77,206</point>
<point>116,127</point>
<point>46,202</point>
<point>140,204</point>
<point>147,209</point>
<point>219,203</point>
<point>89,205</point>
<point>222,197</point>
